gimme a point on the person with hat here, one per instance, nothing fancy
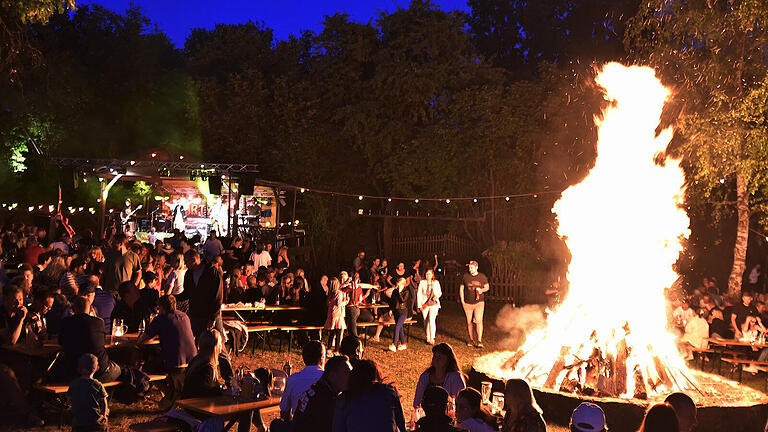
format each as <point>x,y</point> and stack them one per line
<point>472,291</point>
<point>588,417</point>
<point>435,419</point>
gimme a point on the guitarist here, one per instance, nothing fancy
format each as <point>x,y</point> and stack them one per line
<point>126,215</point>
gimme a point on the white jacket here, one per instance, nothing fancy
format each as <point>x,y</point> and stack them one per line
<point>423,293</point>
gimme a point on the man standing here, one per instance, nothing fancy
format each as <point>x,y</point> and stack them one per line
<point>123,266</point>
<point>472,291</point>
<point>204,288</point>
<point>212,247</point>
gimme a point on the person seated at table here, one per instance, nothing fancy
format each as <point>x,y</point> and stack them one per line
<point>12,315</point>
<point>316,406</point>
<point>434,403</point>
<point>368,404</point>
<point>471,415</point>
<point>695,333</point>
<point>352,347</point>
<point>313,355</point>
<point>103,302</point>
<point>35,322</point>
<point>82,333</point>
<point>89,398</point>
<point>443,371</point>
<point>202,376</point>
<point>235,286</point>
<point>523,413</point>
<point>131,309</point>
<point>150,294</point>
<point>255,288</point>
<point>172,327</point>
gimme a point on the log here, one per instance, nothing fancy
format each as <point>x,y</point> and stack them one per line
<point>640,390</point>
<point>556,369</point>
<point>512,362</point>
<point>662,371</point>
<point>620,368</point>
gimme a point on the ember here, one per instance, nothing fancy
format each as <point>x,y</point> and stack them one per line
<point>623,225</point>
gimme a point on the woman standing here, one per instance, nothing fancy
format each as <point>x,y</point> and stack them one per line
<point>399,303</point>
<point>444,372</point>
<point>470,414</point>
<point>523,413</point>
<point>428,302</point>
<point>334,323</point>
<point>283,262</point>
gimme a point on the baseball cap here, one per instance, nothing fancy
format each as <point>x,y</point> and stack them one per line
<point>588,417</point>
<point>473,262</point>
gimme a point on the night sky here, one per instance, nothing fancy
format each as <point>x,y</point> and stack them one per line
<point>175,17</point>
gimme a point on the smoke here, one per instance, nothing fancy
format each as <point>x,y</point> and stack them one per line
<point>517,322</point>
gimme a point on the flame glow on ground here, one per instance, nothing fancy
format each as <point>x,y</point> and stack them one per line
<point>623,225</point>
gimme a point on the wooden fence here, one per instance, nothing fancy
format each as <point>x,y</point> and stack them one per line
<point>453,253</point>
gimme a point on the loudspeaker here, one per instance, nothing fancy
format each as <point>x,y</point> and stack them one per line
<point>214,184</point>
<point>246,183</point>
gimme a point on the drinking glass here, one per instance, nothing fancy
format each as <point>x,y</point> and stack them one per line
<point>498,402</point>
<point>278,385</point>
<point>486,392</point>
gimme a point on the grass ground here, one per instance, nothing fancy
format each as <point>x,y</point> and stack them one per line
<point>402,368</point>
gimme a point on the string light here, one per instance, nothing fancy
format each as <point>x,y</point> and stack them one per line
<point>474,200</point>
<point>360,197</point>
<point>506,198</point>
<point>416,200</point>
<point>447,200</point>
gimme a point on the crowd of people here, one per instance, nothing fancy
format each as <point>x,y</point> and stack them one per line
<point>706,313</point>
<point>79,291</point>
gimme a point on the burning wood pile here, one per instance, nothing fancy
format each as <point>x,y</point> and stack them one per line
<point>623,225</point>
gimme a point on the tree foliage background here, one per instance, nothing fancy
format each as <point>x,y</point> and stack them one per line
<point>416,102</point>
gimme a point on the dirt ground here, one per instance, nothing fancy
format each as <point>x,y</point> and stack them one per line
<point>402,368</point>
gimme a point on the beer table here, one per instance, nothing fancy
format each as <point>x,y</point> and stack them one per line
<point>228,407</point>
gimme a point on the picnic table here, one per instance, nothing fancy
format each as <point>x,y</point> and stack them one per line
<point>228,407</point>
<point>51,348</point>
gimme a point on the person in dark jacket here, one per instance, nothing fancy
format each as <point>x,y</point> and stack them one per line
<point>204,288</point>
<point>172,326</point>
<point>316,405</point>
<point>368,405</point>
<point>84,334</point>
<point>400,304</point>
<point>434,403</point>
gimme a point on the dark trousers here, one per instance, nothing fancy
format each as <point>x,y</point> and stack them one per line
<point>400,316</point>
<point>352,312</point>
<point>334,334</point>
<point>110,373</point>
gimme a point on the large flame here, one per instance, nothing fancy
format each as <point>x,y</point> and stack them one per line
<point>623,225</point>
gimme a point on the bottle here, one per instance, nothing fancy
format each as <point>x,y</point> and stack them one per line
<point>141,327</point>
<point>277,300</point>
<point>287,368</point>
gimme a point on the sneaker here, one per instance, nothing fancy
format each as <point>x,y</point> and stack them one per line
<point>402,347</point>
<point>392,348</point>
<point>471,343</point>
<point>479,345</point>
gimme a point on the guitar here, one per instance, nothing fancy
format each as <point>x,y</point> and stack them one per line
<point>124,220</point>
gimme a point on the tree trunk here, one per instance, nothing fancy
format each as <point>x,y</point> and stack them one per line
<point>742,236</point>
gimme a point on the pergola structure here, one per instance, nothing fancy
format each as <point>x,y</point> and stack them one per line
<point>156,170</point>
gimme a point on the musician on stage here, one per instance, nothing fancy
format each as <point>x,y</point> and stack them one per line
<point>125,217</point>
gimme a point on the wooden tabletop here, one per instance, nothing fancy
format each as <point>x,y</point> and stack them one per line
<point>224,406</point>
<point>46,350</point>
<point>734,342</point>
<point>127,339</point>
<point>266,308</point>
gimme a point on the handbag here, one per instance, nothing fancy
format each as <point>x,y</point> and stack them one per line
<point>431,301</point>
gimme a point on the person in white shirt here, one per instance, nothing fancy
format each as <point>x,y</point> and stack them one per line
<point>313,355</point>
<point>683,313</point>
<point>695,334</point>
<point>260,257</point>
<point>428,301</point>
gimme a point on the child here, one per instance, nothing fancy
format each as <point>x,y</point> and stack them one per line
<point>88,397</point>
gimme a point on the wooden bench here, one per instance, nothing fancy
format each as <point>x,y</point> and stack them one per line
<point>701,353</point>
<point>261,331</point>
<point>740,363</point>
<point>291,329</point>
<point>155,426</point>
<point>366,325</point>
<point>62,388</point>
